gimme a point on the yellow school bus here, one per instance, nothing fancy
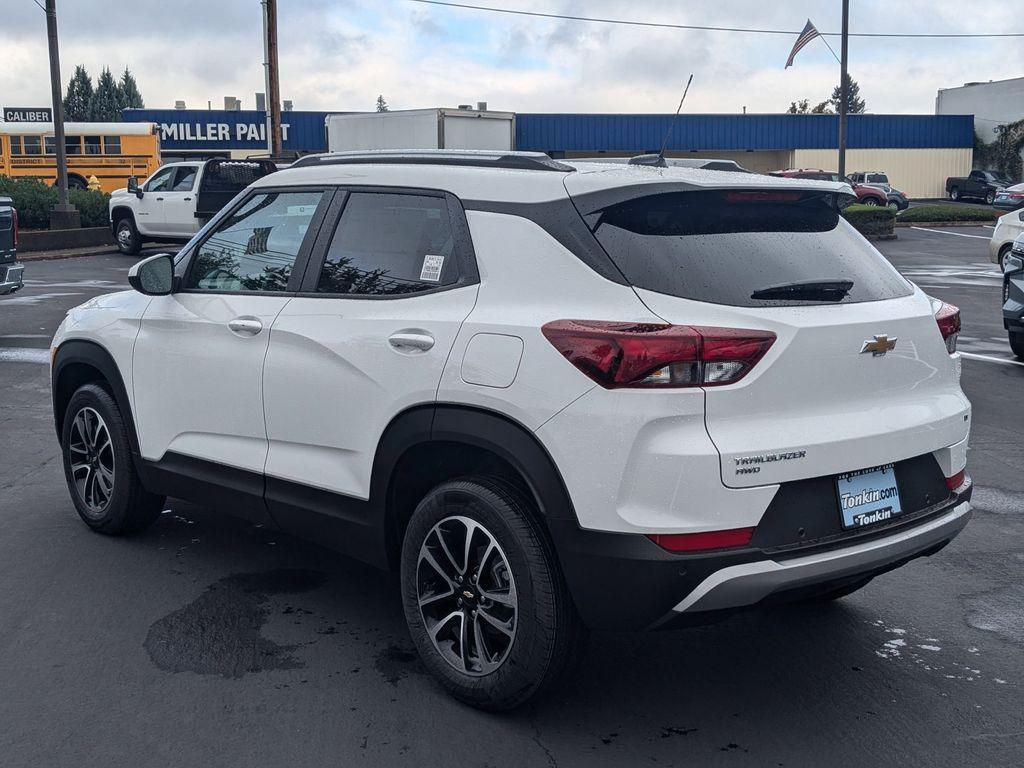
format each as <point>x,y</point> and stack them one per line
<point>112,152</point>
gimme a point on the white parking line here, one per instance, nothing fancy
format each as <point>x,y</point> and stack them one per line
<point>989,359</point>
<point>941,232</point>
<point>24,355</point>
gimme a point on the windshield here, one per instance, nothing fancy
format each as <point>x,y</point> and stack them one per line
<point>726,247</point>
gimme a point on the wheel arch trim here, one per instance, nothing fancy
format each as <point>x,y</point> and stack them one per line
<point>93,355</point>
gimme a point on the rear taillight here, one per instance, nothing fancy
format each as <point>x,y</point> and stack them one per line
<point>698,542</point>
<point>649,355</point>
<point>957,480</point>
<point>948,318</point>
<point>14,212</point>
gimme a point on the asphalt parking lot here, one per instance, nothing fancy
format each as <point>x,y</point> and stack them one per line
<point>208,641</point>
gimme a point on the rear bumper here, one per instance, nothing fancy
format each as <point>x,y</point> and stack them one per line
<point>751,583</point>
<point>11,278</point>
<point>625,581</point>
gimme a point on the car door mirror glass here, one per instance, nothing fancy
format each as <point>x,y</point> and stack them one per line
<point>133,186</point>
<point>153,276</point>
<point>1012,263</point>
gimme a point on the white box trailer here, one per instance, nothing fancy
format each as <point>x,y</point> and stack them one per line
<point>421,129</point>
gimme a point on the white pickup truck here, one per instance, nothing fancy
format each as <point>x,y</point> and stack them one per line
<point>175,202</point>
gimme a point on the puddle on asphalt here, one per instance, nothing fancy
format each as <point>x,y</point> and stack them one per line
<point>1000,611</point>
<point>395,662</point>
<point>218,633</point>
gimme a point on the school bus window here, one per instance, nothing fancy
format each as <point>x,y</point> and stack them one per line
<point>92,145</point>
<point>112,145</point>
<point>49,145</point>
<point>15,145</point>
<point>72,145</point>
<point>31,145</point>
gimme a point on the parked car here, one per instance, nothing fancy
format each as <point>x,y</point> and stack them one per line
<point>1013,296</point>
<point>175,202</point>
<point>870,177</point>
<point>11,272</point>
<point>1010,199</point>
<point>1008,227</point>
<point>867,194</point>
<point>552,395</point>
<point>982,185</point>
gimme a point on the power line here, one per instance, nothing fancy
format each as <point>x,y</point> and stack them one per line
<point>705,28</point>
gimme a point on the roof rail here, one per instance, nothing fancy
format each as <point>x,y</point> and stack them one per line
<point>522,161</point>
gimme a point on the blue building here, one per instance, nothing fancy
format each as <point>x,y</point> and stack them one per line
<point>917,151</point>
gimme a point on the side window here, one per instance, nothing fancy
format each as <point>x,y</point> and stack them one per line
<point>161,181</point>
<point>390,244</point>
<point>73,145</point>
<point>185,179</point>
<point>977,175</point>
<point>92,145</point>
<point>255,248</point>
<point>15,145</point>
<point>31,145</point>
<point>49,145</point>
<point>112,145</point>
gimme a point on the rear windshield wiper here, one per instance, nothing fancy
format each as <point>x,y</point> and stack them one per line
<point>807,290</point>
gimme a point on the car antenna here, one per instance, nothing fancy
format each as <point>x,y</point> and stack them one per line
<point>658,160</point>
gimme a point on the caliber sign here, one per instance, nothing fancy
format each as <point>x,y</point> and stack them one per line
<point>28,115</point>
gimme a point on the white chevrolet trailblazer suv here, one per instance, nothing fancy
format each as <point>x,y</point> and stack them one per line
<point>554,396</point>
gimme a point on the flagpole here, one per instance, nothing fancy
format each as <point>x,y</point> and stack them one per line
<point>843,90</point>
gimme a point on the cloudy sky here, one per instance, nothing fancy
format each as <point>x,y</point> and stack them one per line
<point>339,54</point>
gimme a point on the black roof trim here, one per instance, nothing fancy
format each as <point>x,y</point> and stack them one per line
<point>522,161</point>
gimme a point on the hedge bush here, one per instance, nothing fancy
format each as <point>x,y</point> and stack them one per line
<point>870,220</point>
<point>935,214</point>
<point>33,200</point>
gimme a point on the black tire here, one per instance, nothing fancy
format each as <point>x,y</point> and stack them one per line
<point>547,631</point>
<point>128,507</point>
<point>77,182</point>
<point>954,194</point>
<point>1017,345</point>
<point>1004,252</point>
<point>893,206</point>
<point>127,236</point>
<point>990,197</point>
<point>872,201</point>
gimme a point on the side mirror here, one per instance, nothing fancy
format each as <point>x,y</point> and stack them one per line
<point>133,186</point>
<point>153,276</point>
<point>1012,263</point>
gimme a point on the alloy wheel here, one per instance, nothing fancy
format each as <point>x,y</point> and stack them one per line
<point>467,595</point>
<point>91,455</point>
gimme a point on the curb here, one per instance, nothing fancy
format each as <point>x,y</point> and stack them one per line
<point>66,253</point>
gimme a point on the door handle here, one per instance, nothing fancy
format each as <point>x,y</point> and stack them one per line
<point>245,326</point>
<point>159,199</point>
<point>411,342</point>
<point>188,199</point>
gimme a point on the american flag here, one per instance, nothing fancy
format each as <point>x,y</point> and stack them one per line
<point>809,33</point>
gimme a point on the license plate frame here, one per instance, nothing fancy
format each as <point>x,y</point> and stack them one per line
<point>868,497</point>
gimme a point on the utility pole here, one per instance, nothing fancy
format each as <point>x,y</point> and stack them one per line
<point>843,87</point>
<point>273,83</point>
<point>64,215</point>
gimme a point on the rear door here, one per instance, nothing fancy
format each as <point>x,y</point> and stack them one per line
<point>381,304</point>
<point>820,402</point>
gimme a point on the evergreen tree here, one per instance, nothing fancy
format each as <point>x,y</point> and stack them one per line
<point>105,105</point>
<point>382,106</point>
<point>128,90</point>
<point>799,107</point>
<point>78,96</point>
<point>854,103</point>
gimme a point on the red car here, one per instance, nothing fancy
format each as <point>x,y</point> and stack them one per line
<point>865,195</point>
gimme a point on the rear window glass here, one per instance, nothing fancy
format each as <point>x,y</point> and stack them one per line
<point>233,175</point>
<point>724,247</point>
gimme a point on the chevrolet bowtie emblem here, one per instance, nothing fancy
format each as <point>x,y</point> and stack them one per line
<point>879,345</point>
